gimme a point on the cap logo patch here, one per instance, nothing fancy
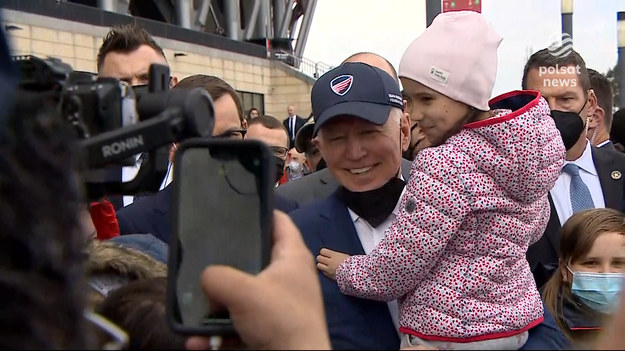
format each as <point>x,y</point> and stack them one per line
<point>439,74</point>
<point>341,84</point>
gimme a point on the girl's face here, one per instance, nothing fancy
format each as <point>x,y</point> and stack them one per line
<point>439,117</point>
<point>607,255</point>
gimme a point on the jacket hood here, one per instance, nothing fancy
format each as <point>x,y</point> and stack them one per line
<point>108,258</point>
<point>525,154</point>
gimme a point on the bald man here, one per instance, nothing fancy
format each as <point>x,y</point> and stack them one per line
<point>321,184</point>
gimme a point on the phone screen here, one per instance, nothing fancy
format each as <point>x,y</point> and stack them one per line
<point>221,209</point>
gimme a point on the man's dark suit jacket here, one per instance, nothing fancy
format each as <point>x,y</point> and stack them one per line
<point>299,122</point>
<point>151,214</point>
<point>543,255</point>
<point>608,146</point>
<point>353,323</point>
<point>319,185</point>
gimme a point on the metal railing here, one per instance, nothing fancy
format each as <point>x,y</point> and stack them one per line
<point>308,67</point>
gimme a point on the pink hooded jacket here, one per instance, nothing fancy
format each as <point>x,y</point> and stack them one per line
<point>455,256</point>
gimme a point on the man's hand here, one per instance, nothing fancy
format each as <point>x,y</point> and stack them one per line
<point>281,307</point>
<point>328,262</point>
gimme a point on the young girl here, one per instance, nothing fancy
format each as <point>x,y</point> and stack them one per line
<point>585,289</point>
<point>455,256</point>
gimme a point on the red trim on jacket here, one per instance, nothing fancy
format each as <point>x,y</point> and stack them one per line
<point>472,338</point>
<point>495,120</point>
<point>586,328</point>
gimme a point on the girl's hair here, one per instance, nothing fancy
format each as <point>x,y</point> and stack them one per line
<point>577,237</point>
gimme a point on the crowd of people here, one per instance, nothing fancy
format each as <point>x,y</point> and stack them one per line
<point>414,211</point>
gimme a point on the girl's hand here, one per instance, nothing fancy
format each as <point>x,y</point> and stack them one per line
<point>328,262</point>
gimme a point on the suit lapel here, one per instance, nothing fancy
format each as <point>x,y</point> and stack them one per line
<point>326,185</point>
<point>612,188</point>
<point>405,169</point>
<point>552,231</point>
<point>339,234</point>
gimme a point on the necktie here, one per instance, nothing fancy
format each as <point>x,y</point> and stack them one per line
<point>580,195</point>
<point>293,127</point>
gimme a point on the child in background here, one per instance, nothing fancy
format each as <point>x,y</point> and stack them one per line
<point>455,255</point>
<point>583,293</point>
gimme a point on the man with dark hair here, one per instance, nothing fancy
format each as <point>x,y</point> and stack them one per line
<point>150,214</point>
<point>127,52</point>
<point>601,121</point>
<point>590,178</point>
<point>269,130</point>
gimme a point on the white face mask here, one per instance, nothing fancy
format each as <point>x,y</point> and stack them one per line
<point>296,167</point>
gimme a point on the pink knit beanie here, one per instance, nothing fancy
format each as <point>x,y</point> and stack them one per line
<point>455,56</point>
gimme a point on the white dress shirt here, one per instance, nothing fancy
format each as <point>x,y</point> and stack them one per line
<point>560,193</point>
<point>129,173</point>
<point>370,237</point>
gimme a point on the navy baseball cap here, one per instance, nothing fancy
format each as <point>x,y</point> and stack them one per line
<point>355,89</point>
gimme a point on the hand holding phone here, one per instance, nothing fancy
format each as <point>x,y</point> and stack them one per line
<point>223,203</point>
<point>280,308</point>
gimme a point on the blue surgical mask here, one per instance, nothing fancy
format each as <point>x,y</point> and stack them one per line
<point>599,291</point>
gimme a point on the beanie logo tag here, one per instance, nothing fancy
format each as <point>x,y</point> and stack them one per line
<point>341,84</point>
<point>438,74</point>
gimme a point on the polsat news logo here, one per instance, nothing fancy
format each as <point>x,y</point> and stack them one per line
<point>562,46</point>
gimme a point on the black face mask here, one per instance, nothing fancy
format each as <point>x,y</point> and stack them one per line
<point>279,167</point>
<point>570,126</point>
<point>376,205</point>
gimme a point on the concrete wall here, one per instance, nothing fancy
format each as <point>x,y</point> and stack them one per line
<point>77,44</point>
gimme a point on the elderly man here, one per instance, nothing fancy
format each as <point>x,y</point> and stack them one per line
<point>320,184</point>
<point>361,131</point>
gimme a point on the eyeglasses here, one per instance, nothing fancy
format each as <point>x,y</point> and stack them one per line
<point>115,337</point>
<point>279,151</point>
<point>232,134</point>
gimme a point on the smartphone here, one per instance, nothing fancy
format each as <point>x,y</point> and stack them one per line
<point>222,215</point>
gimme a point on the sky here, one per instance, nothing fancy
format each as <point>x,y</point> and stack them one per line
<point>343,27</point>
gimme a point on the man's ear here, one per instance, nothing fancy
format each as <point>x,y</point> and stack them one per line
<point>173,81</point>
<point>592,103</point>
<point>318,144</point>
<point>597,118</point>
<point>244,124</point>
<point>405,131</point>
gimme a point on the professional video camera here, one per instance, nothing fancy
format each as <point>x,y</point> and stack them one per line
<point>115,122</point>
